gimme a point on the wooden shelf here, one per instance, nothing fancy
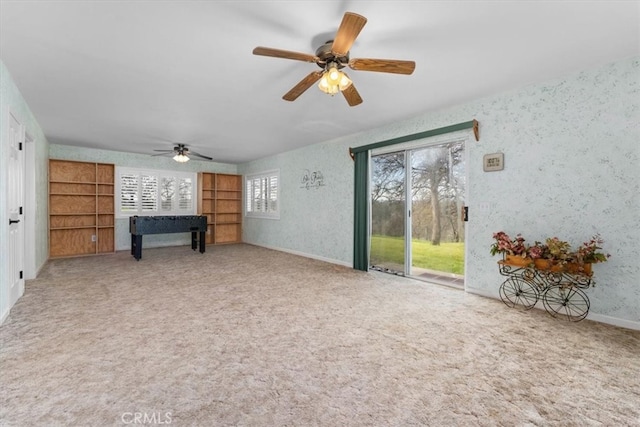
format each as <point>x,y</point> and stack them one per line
<point>72,194</point>
<point>57,181</point>
<point>81,208</point>
<point>220,199</point>
<point>72,214</point>
<point>73,228</point>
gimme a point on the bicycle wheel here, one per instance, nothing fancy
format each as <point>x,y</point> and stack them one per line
<point>517,291</point>
<point>566,301</point>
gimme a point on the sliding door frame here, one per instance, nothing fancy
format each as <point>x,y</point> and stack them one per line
<point>362,199</point>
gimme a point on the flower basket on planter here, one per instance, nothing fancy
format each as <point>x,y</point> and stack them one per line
<point>550,271</point>
<point>517,260</point>
<point>505,245</point>
<point>554,255</point>
<point>547,264</point>
<point>577,268</point>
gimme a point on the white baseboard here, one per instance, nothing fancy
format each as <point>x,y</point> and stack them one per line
<point>629,324</point>
<point>303,254</point>
<point>480,293</point>
<point>600,318</point>
<point>4,317</point>
<point>39,269</point>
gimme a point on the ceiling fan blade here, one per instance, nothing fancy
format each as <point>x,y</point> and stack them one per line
<point>193,153</point>
<point>163,154</point>
<point>383,65</point>
<point>286,54</point>
<point>350,27</point>
<point>352,96</point>
<point>165,151</point>
<point>304,84</point>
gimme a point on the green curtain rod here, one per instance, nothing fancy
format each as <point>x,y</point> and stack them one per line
<point>433,132</point>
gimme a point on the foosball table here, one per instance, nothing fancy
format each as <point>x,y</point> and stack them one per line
<point>141,225</point>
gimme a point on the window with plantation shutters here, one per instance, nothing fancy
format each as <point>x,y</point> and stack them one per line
<point>262,192</point>
<point>153,192</point>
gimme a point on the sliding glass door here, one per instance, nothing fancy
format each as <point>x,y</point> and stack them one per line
<point>437,202</point>
<point>417,196</point>
<point>388,212</point>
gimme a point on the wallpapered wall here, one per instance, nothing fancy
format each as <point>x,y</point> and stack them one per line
<point>316,218</point>
<point>571,170</point>
<point>123,238</point>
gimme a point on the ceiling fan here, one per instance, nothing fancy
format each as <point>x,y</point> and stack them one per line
<point>332,57</point>
<point>181,153</point>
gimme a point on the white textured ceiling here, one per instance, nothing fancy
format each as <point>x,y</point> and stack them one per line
<point>136,76</point>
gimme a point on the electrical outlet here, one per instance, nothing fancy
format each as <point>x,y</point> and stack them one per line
<point>484,207</point>
<point>93,238</point>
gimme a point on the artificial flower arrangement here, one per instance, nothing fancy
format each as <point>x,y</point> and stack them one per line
<point>552,254</point>
<point>508,246</point>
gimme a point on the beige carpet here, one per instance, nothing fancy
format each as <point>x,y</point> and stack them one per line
<point>245,336</point>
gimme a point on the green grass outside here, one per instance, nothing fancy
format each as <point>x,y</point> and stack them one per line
<point>447,257</point>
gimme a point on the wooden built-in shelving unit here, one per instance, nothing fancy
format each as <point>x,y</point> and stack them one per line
<point>220,199</point>
<point>81,208</point>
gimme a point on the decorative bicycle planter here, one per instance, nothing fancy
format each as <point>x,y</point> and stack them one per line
<point>561,291</point>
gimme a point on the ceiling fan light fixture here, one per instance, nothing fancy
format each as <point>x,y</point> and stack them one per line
<point>326,86</point>
<point>181,158</point>
<point>333,81</point>
<point>334,75</point>
<point>345,82</point>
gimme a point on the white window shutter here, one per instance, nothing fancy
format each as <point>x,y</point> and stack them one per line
<point>129,192</point>
<point>149,184</point>
<point>249,195</point>
<point>185,194</point>
<point>273,194</point>
<point>167,190</point>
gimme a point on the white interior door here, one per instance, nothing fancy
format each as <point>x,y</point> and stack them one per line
<point>15,189</point>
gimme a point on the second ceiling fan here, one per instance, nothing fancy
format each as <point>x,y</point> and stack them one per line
<point>332,56</point>
<point>181,153</point>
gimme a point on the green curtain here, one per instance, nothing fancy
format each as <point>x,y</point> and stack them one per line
<point>361,212</point>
